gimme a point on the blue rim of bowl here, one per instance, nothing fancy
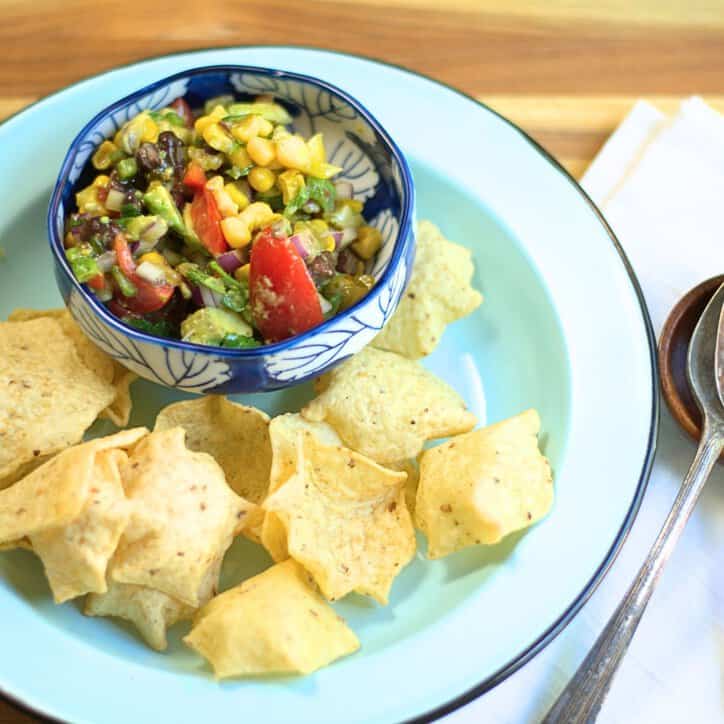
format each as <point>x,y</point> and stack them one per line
<point>579,601</point>
<point>56,243</point>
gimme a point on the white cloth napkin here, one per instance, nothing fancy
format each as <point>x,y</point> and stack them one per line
<point>660,183</point>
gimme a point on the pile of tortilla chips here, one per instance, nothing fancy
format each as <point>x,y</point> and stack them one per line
<point>139,522</point>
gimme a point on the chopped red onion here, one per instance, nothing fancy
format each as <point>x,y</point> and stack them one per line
<point>230,261</point>
<point>133,246</point>
<point>301,242</point>
<point>344,189</point>
<point>106,261</point>
<point>337,236</point>
<point>196,295</point>
<point>115,200</point>
<point>209,298</point>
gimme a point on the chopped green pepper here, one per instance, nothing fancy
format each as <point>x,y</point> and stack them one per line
<point>127,168</point>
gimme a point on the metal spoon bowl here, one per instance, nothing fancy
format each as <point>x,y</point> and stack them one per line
<point>581,700</point>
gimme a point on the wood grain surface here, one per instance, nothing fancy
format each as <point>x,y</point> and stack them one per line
<point>565,72</point>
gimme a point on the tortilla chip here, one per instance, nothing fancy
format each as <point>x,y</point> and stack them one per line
<point>50,398</point>
<point>24,470</point>
<point>283,431</point>
<point>94,358</point>
<point>273,623</point>
<point>55,494</point>
<point>237,437</point>
<point>411,468</point>
<point>386,406</point>
<point>439,293</point>
<point>75,556</point>
<point>151,612</point>
<point>184,517</point>
<point>119,411</point>
<point>11,545</point>
<point>479,487</point>
<point>345,520</point>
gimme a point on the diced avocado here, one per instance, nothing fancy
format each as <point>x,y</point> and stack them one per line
<point>146,228</point>
<point>211,324</point>
<point>272,112</point>
<point>158,201</point>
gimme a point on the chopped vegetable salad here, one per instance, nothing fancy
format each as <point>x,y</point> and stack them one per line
<point>221,228</point>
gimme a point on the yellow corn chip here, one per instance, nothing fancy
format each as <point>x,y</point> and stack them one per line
<point>151,612</point>
<point>283,431</point>
<point>386,406</point>
<point>12,545</point>
<point>237,437</point>
<point>439,293</point>
<point>49,397</point>
<point>184,517</point>
<point>273,623</point>
<point>345,520</point>
<point>76,555</point>
<point>94,358</point>
<point>479,487</point>
<point>412,469</point>
<point>25,469</point>
<point>54,494</point>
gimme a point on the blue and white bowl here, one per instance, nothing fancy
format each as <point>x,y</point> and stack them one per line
<point>371,162</point>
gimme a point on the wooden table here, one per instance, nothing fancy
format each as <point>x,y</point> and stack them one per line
<point>567,75</point>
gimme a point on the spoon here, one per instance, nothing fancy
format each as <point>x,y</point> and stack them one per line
<point>581,700</point>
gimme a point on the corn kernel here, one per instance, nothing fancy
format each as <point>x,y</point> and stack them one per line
<point>327,171</point>
<point>214,117</point>
<point>88,202</point>
<point>317,153</point>
<point>226,205</point>
<point>239,157</point>
<point>242,273</point>
<point>260,150</point>
<point>292,152</point>
<point>237,195</point>
<point>149,130</point>
<point>261,179</point>
<point>257,215</point>
<point>318,226</point>
<point>106,154</point>
<point>101,180</point>
<point>154,258</point>
<point>251,127</point>
<point>290,184</point>
<point>354,204</point>
<point>235,231</point>
<point>218,139</point>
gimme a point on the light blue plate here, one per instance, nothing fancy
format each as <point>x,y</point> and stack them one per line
<point>562,329</point>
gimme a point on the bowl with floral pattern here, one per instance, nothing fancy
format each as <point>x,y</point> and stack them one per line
<point>372,166</point>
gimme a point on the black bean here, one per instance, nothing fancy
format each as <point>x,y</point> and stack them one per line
<point>171,145</point>
<point>148,157</point>
<point>178,194</point>
<point>321,267</point>
<point>347,262</point>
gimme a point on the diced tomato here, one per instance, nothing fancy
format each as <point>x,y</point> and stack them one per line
<point>206,218</point>
<point>284,300</point>
<point>195,178</point>
<point>97,282</point>
<point>149,297</point>
<point>182,108</point>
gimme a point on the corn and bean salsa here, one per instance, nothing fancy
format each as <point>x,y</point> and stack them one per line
<point>221,227</point>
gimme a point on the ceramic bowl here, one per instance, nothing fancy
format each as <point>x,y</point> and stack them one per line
<point>371,162</point>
